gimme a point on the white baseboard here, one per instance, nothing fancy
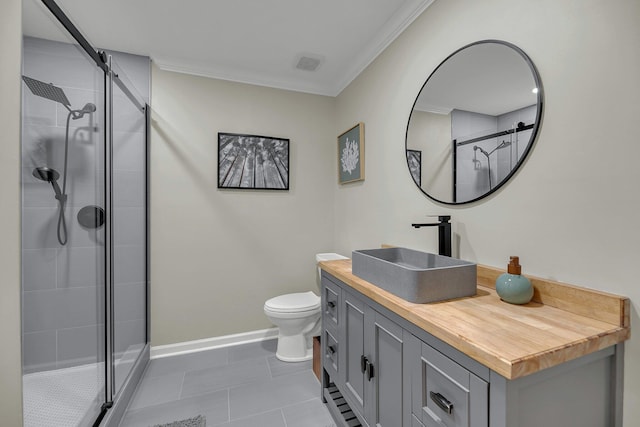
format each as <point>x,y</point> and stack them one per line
<point>211,343</point>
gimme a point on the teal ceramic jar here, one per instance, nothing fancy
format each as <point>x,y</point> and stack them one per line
<point>512,287</point>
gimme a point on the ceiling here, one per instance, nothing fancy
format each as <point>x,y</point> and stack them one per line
<point>486,78</point>
<point>250,41</point>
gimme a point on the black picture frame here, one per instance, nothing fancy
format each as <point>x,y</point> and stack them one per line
<point>414,160</point>
<point>252,162</point>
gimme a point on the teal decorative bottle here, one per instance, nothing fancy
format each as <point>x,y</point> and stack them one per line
<point>512,287</point>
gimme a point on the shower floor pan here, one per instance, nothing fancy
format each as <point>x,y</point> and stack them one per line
<point>62,397</point>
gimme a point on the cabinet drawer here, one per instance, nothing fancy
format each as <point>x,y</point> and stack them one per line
<point>451,396</point>
<point>330,353</point>
<point>330,302</point>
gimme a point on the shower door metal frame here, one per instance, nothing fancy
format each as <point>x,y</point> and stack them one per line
<point>120,402</point>
<point>109,322</point>
<point>117,401</point>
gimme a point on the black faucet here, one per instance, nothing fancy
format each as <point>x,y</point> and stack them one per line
<point>444,233</point>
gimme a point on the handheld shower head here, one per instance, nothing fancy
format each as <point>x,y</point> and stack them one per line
<point>46,174</point>
<point>51,176</point>
<point>88,108</point>
<point>476,148</point>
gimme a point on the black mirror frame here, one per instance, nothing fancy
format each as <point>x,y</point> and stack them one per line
<point>534,132</point>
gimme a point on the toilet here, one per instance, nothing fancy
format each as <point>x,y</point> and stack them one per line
<point>297,317</point>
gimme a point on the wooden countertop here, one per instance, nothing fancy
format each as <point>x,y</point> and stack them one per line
<point>563,322</point>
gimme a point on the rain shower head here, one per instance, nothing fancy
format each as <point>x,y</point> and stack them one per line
<point>54,93</point>
<point>503,144</point>
<point>47,90</point>
<point>46,174</point>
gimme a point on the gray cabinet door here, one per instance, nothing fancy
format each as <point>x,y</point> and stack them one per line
<point>352,324</point>
<point>385,391</point>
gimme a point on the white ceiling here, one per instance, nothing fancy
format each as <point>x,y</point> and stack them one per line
<point>249,41</point>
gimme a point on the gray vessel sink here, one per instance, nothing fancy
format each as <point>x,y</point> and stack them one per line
<point>415,276</point>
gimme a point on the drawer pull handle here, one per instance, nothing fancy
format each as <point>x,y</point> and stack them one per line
<point>331,304</point>
<point>332,349</point>
<point>442,402</point>
<point>363,363</point>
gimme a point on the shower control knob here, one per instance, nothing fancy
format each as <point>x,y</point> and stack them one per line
<point>91,217</point>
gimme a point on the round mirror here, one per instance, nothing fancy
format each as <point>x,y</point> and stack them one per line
<point>474,122</point>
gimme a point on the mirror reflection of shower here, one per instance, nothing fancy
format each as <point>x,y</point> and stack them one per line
<point>477,162</point>
<point>45,173</point>
<point>512,142</point>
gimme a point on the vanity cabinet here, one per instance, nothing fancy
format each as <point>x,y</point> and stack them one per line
<point>369,370</point>
<point>380,369</point>
<point>380,366</point>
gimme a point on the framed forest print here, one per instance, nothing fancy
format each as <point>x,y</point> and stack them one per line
<point>253,162</point>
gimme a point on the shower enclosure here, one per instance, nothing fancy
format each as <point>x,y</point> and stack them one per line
<point>84,185</point>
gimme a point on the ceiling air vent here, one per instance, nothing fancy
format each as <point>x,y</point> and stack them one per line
<point>308,63</point>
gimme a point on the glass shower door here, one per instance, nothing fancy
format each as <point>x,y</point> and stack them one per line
<point>129,225</point>
<point>63,257</point>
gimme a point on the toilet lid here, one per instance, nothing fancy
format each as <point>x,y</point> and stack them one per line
<point>300,301</point>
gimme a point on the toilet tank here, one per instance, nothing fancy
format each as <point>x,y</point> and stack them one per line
<point>330,256</point>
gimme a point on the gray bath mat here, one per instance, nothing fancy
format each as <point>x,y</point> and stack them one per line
<point>198,421</point>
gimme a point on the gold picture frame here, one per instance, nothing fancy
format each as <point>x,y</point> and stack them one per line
<point>351,155</point>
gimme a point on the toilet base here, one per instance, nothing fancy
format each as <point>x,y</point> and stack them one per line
<point>294,348</point>
<point>309,356</point>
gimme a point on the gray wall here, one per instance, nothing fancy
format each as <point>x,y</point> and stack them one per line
<point>10,361</point>
<point>63,286</point>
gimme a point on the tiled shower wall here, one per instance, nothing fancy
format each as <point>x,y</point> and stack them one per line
<point>63,286</point>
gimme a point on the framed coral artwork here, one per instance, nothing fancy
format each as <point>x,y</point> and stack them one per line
<point>351,155</point>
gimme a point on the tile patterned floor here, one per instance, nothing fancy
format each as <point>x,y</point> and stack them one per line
<point>240,386</point>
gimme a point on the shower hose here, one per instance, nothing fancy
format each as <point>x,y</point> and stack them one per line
<point>62,199</point>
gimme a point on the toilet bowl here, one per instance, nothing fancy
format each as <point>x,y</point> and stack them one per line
<point>297,317</point>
